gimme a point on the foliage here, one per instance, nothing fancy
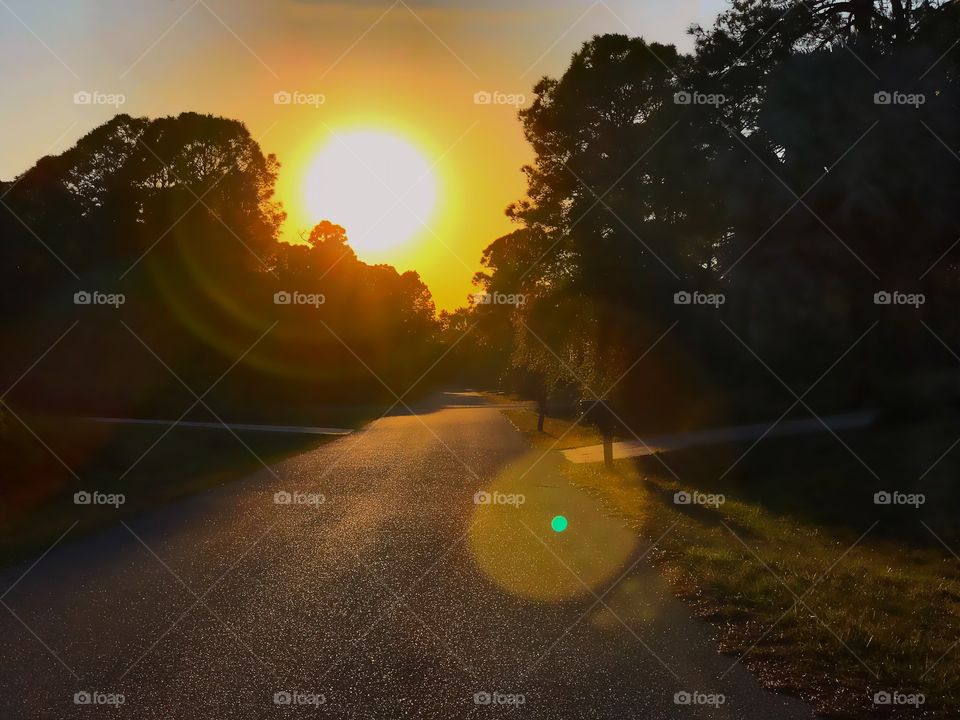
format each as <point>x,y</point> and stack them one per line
<point>761,169</point>
<point>179,215</point>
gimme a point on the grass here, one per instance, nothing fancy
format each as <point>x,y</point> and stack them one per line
<point>37,503</point>
<point>877,611</point>
<point>501,398</point>
<point>558,433</point>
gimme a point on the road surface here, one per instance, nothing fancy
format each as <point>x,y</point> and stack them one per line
<point>377,588</point>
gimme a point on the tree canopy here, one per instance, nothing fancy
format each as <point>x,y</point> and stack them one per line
<point>179,216</point>
<point>801,160</point>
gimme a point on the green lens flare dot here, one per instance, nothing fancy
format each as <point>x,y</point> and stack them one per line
<point>559,523</point>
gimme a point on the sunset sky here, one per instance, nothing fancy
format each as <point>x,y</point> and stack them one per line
<point>408,71</point>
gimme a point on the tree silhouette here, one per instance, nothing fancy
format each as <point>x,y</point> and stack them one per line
<point>180,215</point>
<point>797,193</point>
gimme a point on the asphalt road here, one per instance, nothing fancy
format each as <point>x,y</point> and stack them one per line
<point>394,595</point>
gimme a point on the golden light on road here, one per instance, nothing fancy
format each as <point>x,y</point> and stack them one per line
<point>375,184</point>
<point>516,544</point>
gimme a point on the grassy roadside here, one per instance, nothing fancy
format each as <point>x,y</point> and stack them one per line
<point>558,433</point>
<point>37,503</point>
<point>876,613</point>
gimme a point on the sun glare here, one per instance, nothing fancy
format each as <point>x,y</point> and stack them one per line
<point>376,185</point>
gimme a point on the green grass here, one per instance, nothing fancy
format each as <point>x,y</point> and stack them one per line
<point>37,490</point>
<point>880,612</point>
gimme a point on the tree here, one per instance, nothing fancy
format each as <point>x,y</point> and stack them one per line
<point>874,214</point>
<point>797,194</point>
<point>618,214</point>
<point>179,214</point>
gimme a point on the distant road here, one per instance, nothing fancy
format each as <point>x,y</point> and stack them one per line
<point>382,590</point>
<point>718,436</point>
<point>237,427</point>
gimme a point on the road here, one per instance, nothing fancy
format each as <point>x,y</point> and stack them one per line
<point>230,427</point>
<point>394,595</point>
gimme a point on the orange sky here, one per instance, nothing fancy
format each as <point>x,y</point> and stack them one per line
<point>410,68</point>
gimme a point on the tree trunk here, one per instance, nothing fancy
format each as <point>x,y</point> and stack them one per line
<point>862,14</point>
<point>901,22</point>
<point>604,342</point>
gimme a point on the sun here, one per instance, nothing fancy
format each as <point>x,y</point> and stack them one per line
<point>375,184</point>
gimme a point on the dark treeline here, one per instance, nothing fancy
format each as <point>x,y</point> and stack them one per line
<point>178,216</point>
<point>800,161</point>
